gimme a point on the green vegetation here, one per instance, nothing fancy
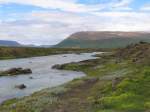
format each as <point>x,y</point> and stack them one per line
<point>20,52</point>
<point>114,83</point>
<point>132,94</point>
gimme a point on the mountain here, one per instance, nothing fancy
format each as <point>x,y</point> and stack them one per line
<point>9,43</point>
<point>105,39</point>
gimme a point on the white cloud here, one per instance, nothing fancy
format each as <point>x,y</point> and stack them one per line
<point>122,3</point>
<point>51,27</point>
<point>73,5</point>
<point>64,5</point>
<point>146,7</point>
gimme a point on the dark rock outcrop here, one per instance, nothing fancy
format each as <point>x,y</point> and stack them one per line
<point>137,53</point>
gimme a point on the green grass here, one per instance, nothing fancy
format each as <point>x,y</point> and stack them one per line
<point>131,95</point>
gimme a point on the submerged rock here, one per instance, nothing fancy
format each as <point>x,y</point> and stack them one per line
<point>30,77</point>
<point>21,86</point>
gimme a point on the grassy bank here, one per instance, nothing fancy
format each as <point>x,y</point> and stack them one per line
<point>114,83</point>
<point>125,87</point>
<point>20,52</point>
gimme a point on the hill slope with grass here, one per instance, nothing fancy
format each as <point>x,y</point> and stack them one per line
<point>103,39</point>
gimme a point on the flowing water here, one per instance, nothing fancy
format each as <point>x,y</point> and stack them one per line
<point>43,75</point>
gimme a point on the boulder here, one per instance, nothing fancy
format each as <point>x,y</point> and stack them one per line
<point>16,71</point>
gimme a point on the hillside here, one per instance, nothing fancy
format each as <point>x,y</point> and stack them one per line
<point>103,39</point>
<point>138,53</point>
<point>9,43</point>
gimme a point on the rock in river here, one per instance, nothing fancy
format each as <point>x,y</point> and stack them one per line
<point>16,71</point>
<point>21,86</point>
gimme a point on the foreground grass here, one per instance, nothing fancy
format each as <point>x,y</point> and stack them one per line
<point>110,86</point>
<point>131,92</point>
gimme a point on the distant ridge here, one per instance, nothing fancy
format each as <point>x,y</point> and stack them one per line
<point>9,43</point>
<point>103,39</point>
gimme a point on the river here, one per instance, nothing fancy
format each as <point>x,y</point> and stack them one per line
<point>43,74</point>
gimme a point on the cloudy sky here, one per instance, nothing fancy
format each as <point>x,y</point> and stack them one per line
<point>50,21</point>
